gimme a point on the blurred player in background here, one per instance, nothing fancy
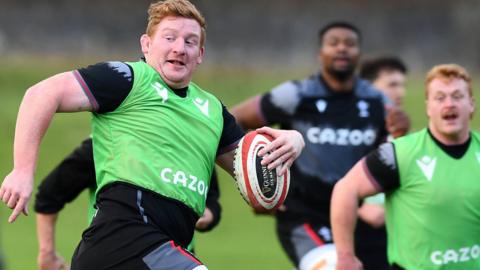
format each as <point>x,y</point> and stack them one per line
<point>431,183</point>
<point>157,136</point>
<point>342,118</point>
<point>387,74</point>
<point>75,174</point>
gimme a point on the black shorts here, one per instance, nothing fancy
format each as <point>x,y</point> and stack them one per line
<point>299,235</point>
<point>137,229</point>
<point>299,238</point>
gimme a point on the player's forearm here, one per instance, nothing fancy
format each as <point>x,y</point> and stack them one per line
<point>59,93</point>
<point>46,232</point>
<point>247,113</point>
<point>372,214</point>
<point>34,116</point>
<point>225,161</point>
<point>344,208</point>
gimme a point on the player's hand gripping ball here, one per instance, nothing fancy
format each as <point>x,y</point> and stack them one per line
<point>263,189</point>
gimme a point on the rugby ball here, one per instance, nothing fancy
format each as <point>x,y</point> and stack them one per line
<point>261,188</point>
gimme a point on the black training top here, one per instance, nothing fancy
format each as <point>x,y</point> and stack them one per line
<point>338,128</point>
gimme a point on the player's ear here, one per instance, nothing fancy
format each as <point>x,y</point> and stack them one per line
<point>200,55</point>
<point>472,108</point>
<point>427,111</point>
<point>145,43</point>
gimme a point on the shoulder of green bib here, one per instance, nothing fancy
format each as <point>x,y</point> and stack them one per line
<point>142,73</point>
<point>138,68</point>
<point>205,93</point>
<point>408,142</point>
<point>475,135</point>
<point>130,63</point>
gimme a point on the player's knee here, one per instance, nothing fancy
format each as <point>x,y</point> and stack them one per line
<point>170,256</point>
<point>320,258</point>
<point>200,267</point>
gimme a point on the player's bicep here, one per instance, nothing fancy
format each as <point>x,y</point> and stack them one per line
<point>64,90</point>
<point>247,113</point>
<point>360,182</point>
<point>231,135</point>
<point>73,97</point>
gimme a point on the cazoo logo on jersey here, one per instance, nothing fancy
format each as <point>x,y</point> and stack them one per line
<point>341,136</point>
<point>463,254</point>
<point>185,180</point>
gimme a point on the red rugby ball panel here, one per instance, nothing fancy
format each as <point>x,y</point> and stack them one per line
<point>261,188</point>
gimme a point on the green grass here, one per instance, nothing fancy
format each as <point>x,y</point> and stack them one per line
<point>242,240</point>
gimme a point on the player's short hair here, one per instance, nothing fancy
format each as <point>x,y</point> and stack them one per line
<point>370,69</point>
<point>338,24</point>
<point>449,72</point>
<point>179,8</point>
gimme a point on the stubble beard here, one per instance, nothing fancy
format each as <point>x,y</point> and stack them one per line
<point>341,75</point>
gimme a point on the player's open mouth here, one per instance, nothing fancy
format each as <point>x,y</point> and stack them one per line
<point>341,59</point>
<point>176,62</point>
<point>450,116</point>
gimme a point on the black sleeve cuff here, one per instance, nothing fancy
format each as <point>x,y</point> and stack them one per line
<point>382,168</point>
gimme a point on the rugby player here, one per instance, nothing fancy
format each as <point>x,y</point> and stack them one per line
<point>430,179</point>
<point>387,74</point>
<point>156,136</point>
<point>342,118</point>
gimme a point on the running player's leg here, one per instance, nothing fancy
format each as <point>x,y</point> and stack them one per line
<point>307,245</point>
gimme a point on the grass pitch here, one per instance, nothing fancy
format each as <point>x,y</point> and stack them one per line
<point>242,240</point>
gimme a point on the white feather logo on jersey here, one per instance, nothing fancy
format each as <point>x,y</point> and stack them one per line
<point>427,165</point>
<point>325,233</point>
<point>363,106</point>
<point>321,105</point>
<point>161,91</point>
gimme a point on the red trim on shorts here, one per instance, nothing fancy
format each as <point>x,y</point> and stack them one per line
<point>185,253</point>
<point>310,232</point>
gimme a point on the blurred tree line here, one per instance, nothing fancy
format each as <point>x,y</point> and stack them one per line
<point>280,34</point>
